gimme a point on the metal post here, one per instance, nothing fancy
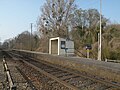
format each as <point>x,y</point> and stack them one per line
<point>88,53</point>
<point>100,45</point>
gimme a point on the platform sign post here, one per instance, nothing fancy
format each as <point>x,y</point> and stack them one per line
<point>88,48</point>
<point>66,49</point>
<point>88,53</point>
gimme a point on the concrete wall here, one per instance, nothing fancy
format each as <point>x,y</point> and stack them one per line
<point>70,46</point>
<point>62,51</point>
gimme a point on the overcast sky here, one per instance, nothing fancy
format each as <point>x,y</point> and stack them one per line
<point>16,15</point>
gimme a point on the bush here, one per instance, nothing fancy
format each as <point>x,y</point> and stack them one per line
<point>114,55</point>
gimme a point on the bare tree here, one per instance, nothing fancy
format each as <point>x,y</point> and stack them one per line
<point>22,41</point>
<point>56,15</point>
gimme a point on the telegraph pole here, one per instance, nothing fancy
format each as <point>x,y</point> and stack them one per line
<point>31,36</point>
<point>100,38</point>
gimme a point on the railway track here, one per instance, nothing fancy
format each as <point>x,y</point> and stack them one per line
<point>13,79</point>
<point>40,79</point>
<point>45,76</point>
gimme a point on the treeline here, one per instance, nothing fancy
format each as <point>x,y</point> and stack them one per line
<point>62,18</point>
<point>25,40</point>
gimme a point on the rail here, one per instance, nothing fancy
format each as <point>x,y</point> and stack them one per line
<point>51,76</point>
<point>9,79</point>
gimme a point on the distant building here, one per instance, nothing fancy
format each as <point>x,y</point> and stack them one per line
<point>61,46</point>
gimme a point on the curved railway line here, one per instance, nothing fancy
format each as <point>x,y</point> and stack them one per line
<point>45,76</point>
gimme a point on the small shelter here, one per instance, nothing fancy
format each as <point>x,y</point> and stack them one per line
<point>61,46</point>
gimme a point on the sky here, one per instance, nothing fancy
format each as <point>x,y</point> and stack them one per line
<point>16,15</point>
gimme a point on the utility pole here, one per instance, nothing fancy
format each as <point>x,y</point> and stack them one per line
<point>31,36</point>
<point>100,38</point>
